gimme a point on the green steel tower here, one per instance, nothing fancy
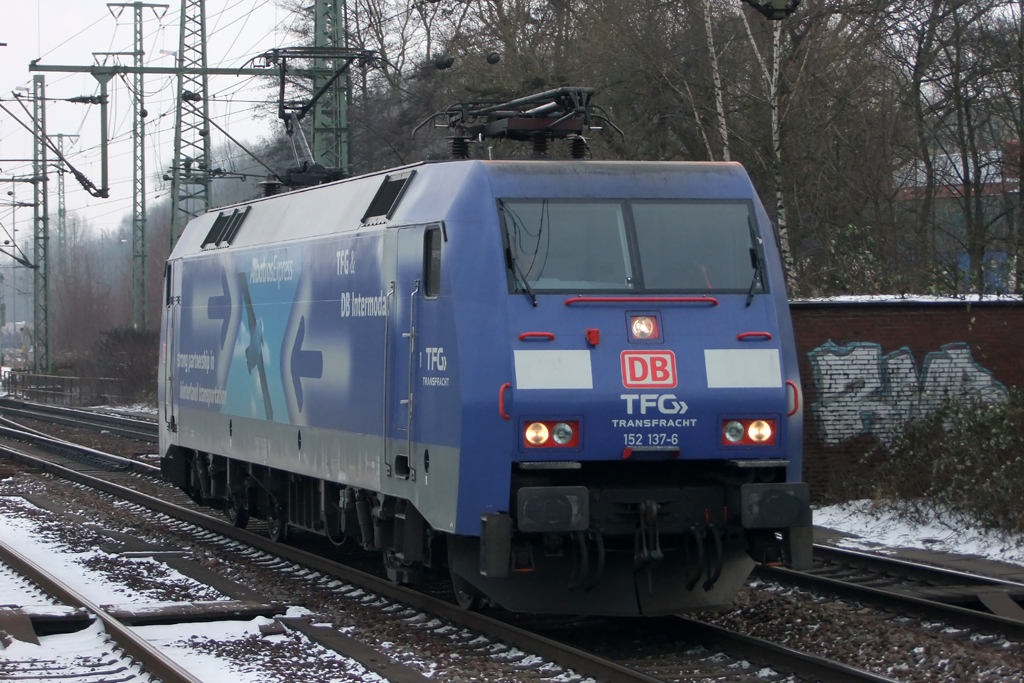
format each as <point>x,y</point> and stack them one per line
<point>42,360</point>
<point>138,164</point>
<point>190,170</point>
<point>330,119</point>
<point>62,214</point>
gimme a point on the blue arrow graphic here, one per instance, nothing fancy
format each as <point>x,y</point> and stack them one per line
<point>254,352</point>
<point>304,363</point>
<point>219,308</point>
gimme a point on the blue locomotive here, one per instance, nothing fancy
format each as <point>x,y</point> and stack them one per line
<point>572,384</point>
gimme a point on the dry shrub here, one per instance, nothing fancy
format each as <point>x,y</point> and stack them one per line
<point>967,459</point>
<point>130,356</point>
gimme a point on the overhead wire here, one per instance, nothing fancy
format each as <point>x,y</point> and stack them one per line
<point>248,15</point>
<point>115,101</point>
<point>226,95</point>
<point>13,243</point>
<point>68,40</point>
<point>85,182</point>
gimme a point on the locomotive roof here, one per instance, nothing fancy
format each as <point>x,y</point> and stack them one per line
<point>454,191</point>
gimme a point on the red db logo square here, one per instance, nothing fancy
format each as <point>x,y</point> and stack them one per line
<point>648,369</point>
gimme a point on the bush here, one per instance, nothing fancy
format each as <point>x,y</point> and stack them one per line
<point>131,356</point>
<point>967,458</point>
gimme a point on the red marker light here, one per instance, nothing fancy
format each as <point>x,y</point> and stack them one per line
<point>552,434</point>
<point>748,432</point>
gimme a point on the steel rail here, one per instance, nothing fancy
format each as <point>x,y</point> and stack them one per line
<point>134,428</point>
<point>87,413</point>
<point>579,660</point>
<point>53,444</point>
<point>959,616</point>
<point>152,659</point>
<point>583,662</point>
<point>909,567</point>
<point>742,646</point>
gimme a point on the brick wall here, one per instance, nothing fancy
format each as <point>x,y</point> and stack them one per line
<point>867,367</point>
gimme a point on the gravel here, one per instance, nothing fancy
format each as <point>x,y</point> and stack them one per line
<point>904,648</point>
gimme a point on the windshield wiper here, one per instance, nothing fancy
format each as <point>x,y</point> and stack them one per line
<point>514,265</point>
<point>526,286</point>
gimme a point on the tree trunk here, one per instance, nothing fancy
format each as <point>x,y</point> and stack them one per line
<point>771,83</point>
<point>723,128</point>
<point>780,201</point>
<point>1017,273</point>
<point>926,207</point>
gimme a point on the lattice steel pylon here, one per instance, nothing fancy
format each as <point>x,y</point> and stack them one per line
<point>62,213</point>
<point>139,321</point>
<point>41,359</point>
<point>330,115</point>
<point>190,168</point>
<point>138,185</point>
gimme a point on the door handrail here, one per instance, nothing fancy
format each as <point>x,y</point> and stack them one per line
<point>411,336</point>
<point>384,417</point>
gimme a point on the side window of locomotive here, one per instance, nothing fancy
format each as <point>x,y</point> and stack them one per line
<point>696,246</point>
<point>567,246</point>
<point>432,263</point>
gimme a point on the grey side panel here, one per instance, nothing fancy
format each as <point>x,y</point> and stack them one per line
<point>344,457</point>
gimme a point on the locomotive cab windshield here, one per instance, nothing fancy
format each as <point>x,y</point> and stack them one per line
<point>653,246</point>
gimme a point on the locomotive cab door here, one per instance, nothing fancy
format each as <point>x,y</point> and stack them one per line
<point>402,353</point>
<point>172,303</point>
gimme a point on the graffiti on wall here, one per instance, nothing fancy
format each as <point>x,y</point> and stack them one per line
<point>860,391</point>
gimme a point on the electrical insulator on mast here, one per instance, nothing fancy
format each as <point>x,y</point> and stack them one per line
<point>775,10</point>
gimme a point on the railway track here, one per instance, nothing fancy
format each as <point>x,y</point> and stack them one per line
<point>968,601</point>
<point>927,590</point>
<point>104,664</point>
<point>119,425</point>
<point>709,651</point>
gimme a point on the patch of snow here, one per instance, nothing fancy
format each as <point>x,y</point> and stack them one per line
<point>910,298</point>
<point>224,651</point>
<point>875,529</point>
<point>15,590</point>
<point>566,677</point>
<point>72,567</point>
<point>134,408</point>
<point>73,654</point>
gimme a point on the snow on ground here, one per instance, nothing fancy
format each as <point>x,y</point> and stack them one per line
<point>16,590</point>
<point>139,408</point>
<point>909,298</point>
<point>237,651</point>
<point>103,576</point>
<point>75,655</point>
<point>872,528</point>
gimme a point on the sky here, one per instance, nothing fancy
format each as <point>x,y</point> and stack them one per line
<point>68,32</point>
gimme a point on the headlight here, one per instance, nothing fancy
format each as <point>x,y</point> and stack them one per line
<point>536,433</point>
<point>552,434</point>
<point>644,327</point>
<point>562,433</point>
<point>734,431</point>
<point>748,432</point>
<point>759,431</point>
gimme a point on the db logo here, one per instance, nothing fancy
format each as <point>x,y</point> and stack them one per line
<point>642,369</point>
